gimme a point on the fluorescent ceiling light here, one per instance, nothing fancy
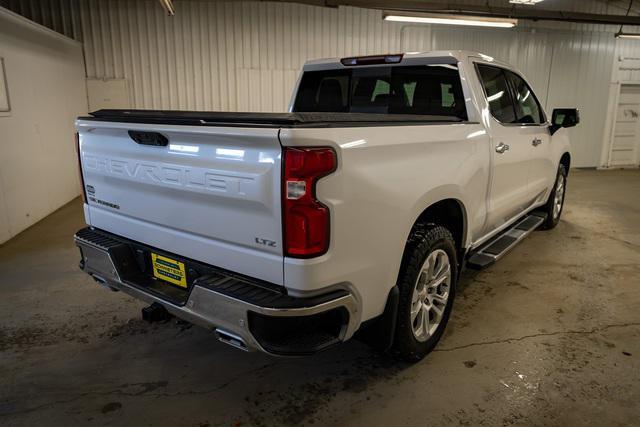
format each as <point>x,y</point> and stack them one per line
<point>167,5</point>
<point>622,35</point>
<point>473,21</point>
<point>525,1</point>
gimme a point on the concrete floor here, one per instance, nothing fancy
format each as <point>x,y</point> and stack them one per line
<point>548,336</point>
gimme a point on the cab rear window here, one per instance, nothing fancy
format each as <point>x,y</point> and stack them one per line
<point>433,90</point>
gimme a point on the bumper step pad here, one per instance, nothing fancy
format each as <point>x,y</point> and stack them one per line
<point>261,296</point>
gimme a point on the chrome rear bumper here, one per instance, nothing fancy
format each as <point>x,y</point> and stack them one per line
<point>234,308</point>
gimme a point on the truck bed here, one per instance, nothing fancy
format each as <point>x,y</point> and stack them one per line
<point>274,120</point>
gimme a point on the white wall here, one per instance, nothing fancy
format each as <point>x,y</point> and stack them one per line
<point>45,75</point>
<point>245,56</point>
<point>216,55</point>
<point>566,69</point>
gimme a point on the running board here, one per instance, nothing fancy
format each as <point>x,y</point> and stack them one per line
<point>498,247</point>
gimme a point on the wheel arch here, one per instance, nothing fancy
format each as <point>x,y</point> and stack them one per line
<point>565,160</point>
<point>451,214</point>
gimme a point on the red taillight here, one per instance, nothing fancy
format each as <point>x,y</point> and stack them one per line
<point>84,191</point>
<point>306,220</point>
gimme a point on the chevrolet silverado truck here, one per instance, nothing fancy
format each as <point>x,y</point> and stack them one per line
<point>351,214</point>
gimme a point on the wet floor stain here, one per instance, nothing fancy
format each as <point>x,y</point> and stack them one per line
<point>111,407</point>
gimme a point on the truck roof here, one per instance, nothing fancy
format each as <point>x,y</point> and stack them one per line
<point>413,58</point>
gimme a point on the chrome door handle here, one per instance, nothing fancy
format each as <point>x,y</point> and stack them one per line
<point>536,142</point>
<point>501,148</point>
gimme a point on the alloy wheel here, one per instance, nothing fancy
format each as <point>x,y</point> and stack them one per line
<point>430,295</point>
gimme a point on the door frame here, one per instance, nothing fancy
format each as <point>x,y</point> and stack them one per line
<point>613,114</point>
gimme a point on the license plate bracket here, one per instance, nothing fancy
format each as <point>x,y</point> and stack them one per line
<point>169,270</point>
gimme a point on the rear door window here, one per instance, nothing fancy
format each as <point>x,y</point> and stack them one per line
<point>433,90</point>
<point>496,88</point>
<point>528,109</point>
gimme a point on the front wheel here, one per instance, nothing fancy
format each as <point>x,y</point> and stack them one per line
<point>555,204</point>
<point>427,289</point>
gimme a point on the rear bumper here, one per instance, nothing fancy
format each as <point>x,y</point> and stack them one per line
<point>242,312</point>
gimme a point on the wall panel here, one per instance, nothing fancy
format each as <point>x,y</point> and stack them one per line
<point>38,162</point>
<point>206,56</point>
<point>243,55</point>
<point>580,77</point>
<point>565,68</point>
<point>63,16</point>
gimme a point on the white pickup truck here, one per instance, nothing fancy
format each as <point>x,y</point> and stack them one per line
<point>352,214</point>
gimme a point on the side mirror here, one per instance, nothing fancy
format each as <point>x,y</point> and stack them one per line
<point>564,118</point>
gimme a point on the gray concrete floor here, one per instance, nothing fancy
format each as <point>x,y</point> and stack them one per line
<point>548,336</point>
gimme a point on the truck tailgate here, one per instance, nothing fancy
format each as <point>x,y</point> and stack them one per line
<point>211,194</point>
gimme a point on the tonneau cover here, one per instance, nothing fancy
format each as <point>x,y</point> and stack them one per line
<point>208,118</point>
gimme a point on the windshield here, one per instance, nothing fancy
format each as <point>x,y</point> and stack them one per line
<point>426,90</point>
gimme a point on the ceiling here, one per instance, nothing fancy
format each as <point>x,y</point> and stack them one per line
<point>614,12</point>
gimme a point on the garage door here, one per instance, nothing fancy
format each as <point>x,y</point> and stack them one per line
<point>624,150</point>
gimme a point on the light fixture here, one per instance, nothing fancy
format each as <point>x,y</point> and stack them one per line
<point>167,5</point>
<point>427,18</point>
<point>525,1</point>
<point>621,35</point>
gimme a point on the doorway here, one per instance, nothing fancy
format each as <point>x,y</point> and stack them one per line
<point>626,132</point>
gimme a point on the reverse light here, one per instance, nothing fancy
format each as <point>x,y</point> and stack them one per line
<point>305,219</point>
<point>296,189</point>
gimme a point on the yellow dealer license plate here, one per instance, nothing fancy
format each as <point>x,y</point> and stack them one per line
<point>169,270</point>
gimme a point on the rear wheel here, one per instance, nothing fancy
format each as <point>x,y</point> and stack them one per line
<point>427,289</point>
<point>555,204</point>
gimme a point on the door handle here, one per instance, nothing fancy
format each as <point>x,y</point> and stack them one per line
<point>501,148</point>
<point>536,142</point>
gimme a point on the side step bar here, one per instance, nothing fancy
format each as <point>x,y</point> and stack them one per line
<point>499,246</point>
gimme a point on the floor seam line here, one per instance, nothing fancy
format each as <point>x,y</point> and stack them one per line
<point>549,334</point>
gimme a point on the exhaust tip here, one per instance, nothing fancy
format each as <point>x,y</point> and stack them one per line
<point>231,339</point>
<point>99,280</point>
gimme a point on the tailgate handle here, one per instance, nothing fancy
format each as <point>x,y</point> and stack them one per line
<point>149,138</point>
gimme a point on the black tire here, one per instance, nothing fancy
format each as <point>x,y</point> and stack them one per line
<point>424,241</point>
<point>553,219</point>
